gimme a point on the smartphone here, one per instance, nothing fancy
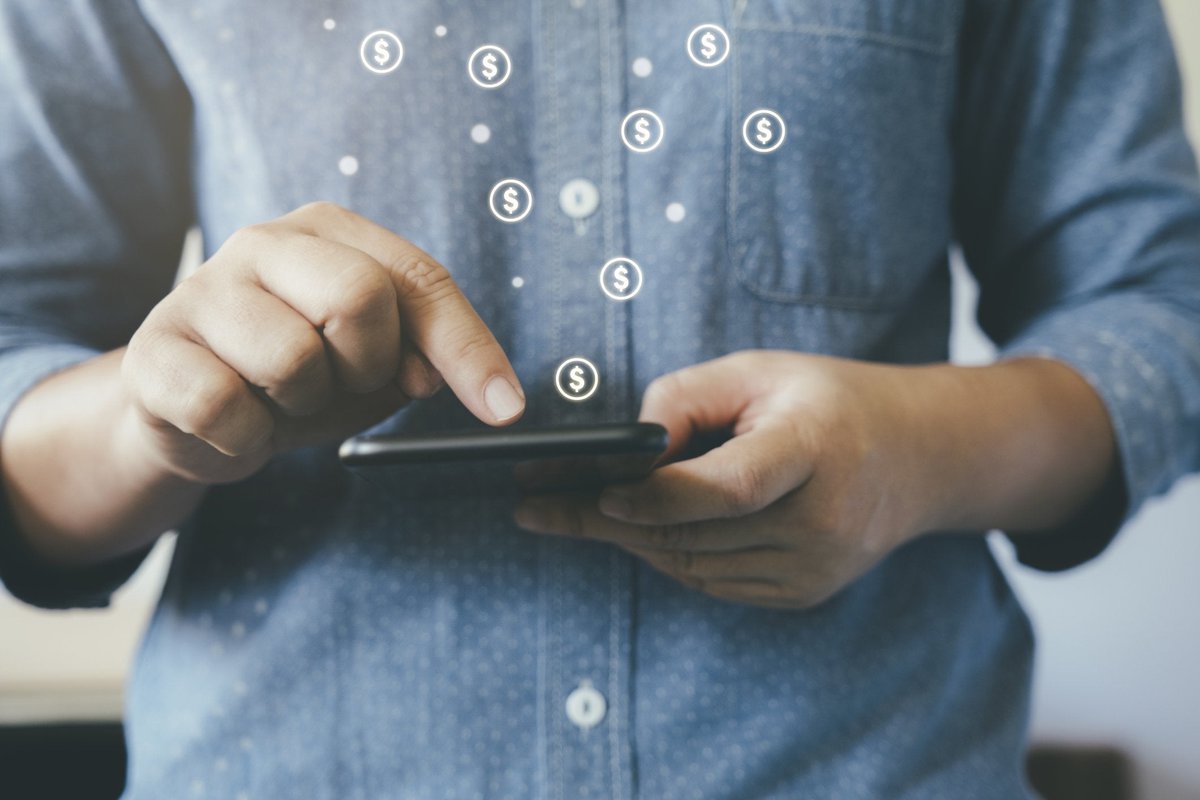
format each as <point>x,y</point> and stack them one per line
<point>538,459</point>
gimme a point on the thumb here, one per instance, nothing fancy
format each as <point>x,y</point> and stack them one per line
<point>707,397</point>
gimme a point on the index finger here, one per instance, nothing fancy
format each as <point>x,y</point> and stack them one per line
<point>436,315</point>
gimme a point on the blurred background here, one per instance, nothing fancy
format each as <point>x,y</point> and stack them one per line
<point>1117,692</point>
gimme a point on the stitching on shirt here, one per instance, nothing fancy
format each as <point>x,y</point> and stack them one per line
<point>555,568</point>
<point>613,316</point>
<point>556,170</point>
<point>870,37</point>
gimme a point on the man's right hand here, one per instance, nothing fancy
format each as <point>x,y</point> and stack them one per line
<point>301,331</point>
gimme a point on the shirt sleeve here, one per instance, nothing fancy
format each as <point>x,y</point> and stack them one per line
<point>94,205</point>
<point>1078,210</point>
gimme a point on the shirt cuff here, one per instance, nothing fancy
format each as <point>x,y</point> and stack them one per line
<point>27,576</point>
<point>1143,362</point>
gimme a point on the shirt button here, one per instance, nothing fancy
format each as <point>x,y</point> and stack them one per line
<point>586,706</point>
<point>579,198</point>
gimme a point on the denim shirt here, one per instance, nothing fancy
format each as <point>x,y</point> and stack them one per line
<point>327,636</point>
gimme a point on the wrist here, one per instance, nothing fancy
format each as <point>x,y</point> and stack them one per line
<point>929,441</point>
<point>1016,445</point>
<point>946,440</point>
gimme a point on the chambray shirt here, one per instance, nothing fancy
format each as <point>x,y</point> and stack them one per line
<point>322,635</point>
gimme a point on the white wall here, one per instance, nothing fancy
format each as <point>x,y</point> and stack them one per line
<point>1119,658</point>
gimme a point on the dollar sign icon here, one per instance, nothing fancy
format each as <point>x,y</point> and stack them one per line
<point>381,52</point>
<point>489,66</point>
<point>490,69</point>
<point>642,130</point>
<point>576,379</point>
<point>764,131</point>
<point>708,45</point>
<point>621,278</point>
<point>510,200</point>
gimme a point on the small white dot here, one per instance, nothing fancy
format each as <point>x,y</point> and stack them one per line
<point>481,133</point>
<point>240,688</point>
<point>518,282</point>
<point>330,24</point>
<point>246,743</point>
<point>237,630</point>
<point>642,67</point>
<point>225,34</point>
<point>261,607</point>
<point>439,31</point>
<point>221,765</point>
<point>676,212</point>
<point>348,165</point>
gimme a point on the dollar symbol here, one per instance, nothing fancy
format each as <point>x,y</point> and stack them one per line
<point>577,381</point>
<point>708,45</point>
<point>382,54</point>
<point>490,70</point>
<point>641,130</point>
<point>621,280</point>
<point>511,203</point>
<point>763,126</point>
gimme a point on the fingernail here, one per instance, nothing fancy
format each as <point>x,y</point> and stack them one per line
<point>615,504</point>
<point>502,399</point>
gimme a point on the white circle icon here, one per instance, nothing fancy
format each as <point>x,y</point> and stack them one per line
<point>577,379</point>
<point>621,278</point>
<point>708,45</point>
<point>642,130</point>
<point>381,52</point>
<point>511,200</point>
<point>489,66</point>
<point>764,131</point>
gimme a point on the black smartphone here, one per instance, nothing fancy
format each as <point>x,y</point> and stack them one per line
<point>538,459</point>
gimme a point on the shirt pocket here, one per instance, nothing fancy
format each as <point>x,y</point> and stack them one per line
<point>852,210</point>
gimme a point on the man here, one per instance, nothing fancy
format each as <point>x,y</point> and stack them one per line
<point>809,609</point>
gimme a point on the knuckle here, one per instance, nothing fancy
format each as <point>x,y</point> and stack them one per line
<point>675,537</point>
<point>744,486</point>
<point>296,360</point>
<point>683,562</point>
<point>471,343</point>
<point>420,383</point>
<point>419,278</point>
<point>141,366</point>
<point>573,520</point>
<point>320,208</point>
<point>361,292</point>
<point>662,388</point>
<point>825,521</point>
<point>254,238</point>
<point>210,405</point>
